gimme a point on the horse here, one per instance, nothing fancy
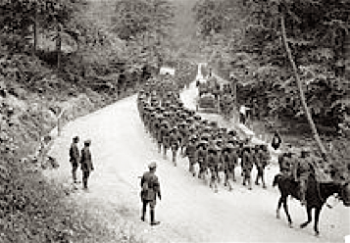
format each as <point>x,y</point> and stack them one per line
<point>316,196</point>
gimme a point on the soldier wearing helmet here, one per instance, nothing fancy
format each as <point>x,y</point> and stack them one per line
<point>150,190</point>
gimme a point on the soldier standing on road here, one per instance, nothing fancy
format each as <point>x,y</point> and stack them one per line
<point>150,190</point>
<point>86,163</point>
<point>74,157</point>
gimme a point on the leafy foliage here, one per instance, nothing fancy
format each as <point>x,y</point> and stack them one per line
<point>317,31</point>
<point>145,25</point>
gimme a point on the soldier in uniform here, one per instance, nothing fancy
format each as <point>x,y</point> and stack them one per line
<point>190,152</point>
<point>184,134</point>
<point>213,164</point>
<point>202,156</point>
<point>164,136</point>
<point>74,157</point>
<point>261,161</point>
<point>174,143</point>
<point>303,169</point>
<point>229,160</point>
<point>285,162</point>
<point>150,190</point>
<point>247,166</point>
<point>86,163</point>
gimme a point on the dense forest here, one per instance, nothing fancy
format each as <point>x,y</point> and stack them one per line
<point>245,39</point>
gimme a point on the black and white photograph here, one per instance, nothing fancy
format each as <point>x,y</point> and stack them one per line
<point>142,121</point>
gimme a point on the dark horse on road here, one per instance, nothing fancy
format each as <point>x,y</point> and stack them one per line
<point>316,196</point>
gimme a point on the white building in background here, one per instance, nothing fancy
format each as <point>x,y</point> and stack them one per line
<point>167,70</point>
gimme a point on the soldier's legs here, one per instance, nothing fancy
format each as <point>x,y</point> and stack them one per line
<point>191,165</point>
<point>216,180</point>
<point>174,153</point>
<point>248,179</point>
<point>243,173</point>
<point>233,174</point>
<point>152,213</point>
<point>85,179</point>
<point>74,171</point>
<point>258,176</point>
<point>229,177</point>
<point>159,147</point>
<point>144,209</point>
<point>263,178</point>
<point>213,180</point>
<point>164,150</point>
<point>200,170</point>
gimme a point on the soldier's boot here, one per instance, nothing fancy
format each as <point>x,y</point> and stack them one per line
<point>230,188</point>
<point>263,182</point>
<point>174,158</point>
<point>200,173</point>
<point>226,183</point>
<point>249,184</point>
<point>214,185</point>
<point>85,183</point>
<point>191,169</point>
<point>143,212</point>
<point>74,174</point>
<point>153,221</point>
<point>164,152</point>
<point>257,180</point>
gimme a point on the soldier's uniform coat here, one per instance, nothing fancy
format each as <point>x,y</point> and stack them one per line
<point>86,164</point>
<point>150,188</point>
<point>74,159</point>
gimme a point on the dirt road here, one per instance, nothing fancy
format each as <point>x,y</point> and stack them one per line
<point>189,211</point>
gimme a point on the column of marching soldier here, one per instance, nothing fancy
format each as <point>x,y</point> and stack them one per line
<point>180,131</point>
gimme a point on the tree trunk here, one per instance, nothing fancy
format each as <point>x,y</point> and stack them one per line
<point>35,33</point>
<point>301,93</point>
<point>58,46</point>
